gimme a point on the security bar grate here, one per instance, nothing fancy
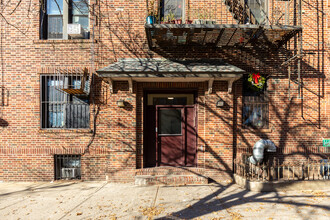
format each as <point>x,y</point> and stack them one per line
<point>60,109</point>
<point>67,166</point>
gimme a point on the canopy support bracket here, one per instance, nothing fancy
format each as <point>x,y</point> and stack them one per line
<point>230,84</point>
<point>210,88</point>
<point>110,81</point>
<point>130,85</point>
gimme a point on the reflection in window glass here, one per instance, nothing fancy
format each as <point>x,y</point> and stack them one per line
<point>55,7</point>
<point>174,7</point>
<point>253,116</point>
<point>55,19</point>
<point>170,121</point>
<point>259,9</point>
<point>80,13</point>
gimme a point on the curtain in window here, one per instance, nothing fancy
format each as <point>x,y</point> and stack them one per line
<point>56,101</point>
<point>55,19</point>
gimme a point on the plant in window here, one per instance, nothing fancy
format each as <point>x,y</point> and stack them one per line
<point>174,9</point>
<point>171,17</point>
<point>178,21</point>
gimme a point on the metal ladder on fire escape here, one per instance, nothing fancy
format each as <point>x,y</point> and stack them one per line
<point>241,11</point>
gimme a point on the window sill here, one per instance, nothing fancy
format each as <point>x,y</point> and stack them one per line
<point>69,41</point>
<point>63,130</point>
<point>255,130</point>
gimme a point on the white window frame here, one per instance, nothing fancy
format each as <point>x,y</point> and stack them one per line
<point>65,21</point>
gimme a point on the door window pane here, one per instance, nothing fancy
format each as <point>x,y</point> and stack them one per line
<point>170,121</point>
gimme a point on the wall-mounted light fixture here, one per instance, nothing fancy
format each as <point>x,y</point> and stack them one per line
<point>220,103</point>
<point>121,103</point>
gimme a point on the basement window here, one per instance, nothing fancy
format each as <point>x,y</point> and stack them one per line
<point>60,109</point>
<point>64,19</point>
<point>67,167</point>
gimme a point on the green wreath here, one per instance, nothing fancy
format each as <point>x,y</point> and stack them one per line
<point>256,81</point>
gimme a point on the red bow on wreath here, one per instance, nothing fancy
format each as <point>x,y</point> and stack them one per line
<point>255,77</point>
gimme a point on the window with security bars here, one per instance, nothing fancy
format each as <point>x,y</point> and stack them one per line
<point>60,109</point>
<point>67,167</point>
<point>255,107</point>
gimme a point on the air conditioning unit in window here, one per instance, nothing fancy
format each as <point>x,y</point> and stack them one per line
<point>70,173</point>
<point>76,31</point>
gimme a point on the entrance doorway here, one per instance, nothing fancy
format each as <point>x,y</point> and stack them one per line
<point>170,134</point>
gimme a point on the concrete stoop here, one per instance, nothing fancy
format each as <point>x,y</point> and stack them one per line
<point>170,176</point>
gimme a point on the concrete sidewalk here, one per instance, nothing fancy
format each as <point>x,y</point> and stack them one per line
<point>99,200</point>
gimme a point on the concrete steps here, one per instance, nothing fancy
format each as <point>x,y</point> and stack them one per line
<point>170,176</point>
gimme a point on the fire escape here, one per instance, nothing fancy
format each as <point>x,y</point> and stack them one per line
<point>272,26</point>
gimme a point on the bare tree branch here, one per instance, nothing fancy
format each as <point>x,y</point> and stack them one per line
<point>18,4</point>
<point>10,24</point>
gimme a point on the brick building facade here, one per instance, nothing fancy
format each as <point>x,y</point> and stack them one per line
<point>114,144</point>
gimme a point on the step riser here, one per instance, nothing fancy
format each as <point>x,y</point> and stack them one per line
<point>168,171</point>
<point>170,180</point>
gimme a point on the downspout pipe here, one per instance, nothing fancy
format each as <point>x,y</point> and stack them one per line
<point>259,148</point>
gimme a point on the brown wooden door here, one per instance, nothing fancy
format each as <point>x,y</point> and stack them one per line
<point>170,136</point>
<point>176,135</point>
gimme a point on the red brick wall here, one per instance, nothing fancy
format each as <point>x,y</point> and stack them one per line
<point>297,126</point>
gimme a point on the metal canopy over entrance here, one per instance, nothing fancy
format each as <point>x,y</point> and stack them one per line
<point>164,70</point>
<point>218,35</point>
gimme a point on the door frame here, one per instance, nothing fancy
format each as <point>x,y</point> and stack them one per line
<point>147,91</point>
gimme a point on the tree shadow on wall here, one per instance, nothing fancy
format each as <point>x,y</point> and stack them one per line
<point>3,123</point>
